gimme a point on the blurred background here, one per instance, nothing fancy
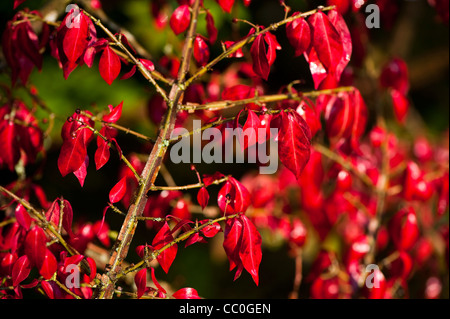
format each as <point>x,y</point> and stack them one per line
<point>411,30</point>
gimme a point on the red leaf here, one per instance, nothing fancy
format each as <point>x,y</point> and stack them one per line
<point>272,47</point>
<point>236,194</point>
<point>8,144</point>
<point>395,75</point>
<point>203,197</point>
<point>211,28</point>
<point>299,35</point>
<point>400,104</point>
<point>102,153</point>
<point>118,191</point>
<point>411,180</point>
<point>211,230</point>
<point>92,267</point>
<point>309,114</point>
<point>129,74</point>
<point>318,71</point>
<point>76,38</point>
<point>49,265</point>
<point>404,229</point>
<point>261,65</point>
<point>155,281</point>
<point>341,5</point>
<point>76,137</point>
<point>54,213</point>
<point>339,117</point>
<point>326,41</point>
<point>73,260</point>
<point>101,230</point>
<point>232,241</point>
<point>81,172</point>
<point>180,19</point>
<point>186,293</point>
<point>360,119</point>
<point>193,239</point>
<point>167,256</point>
<point>22,216</point>
<point>148,64</point>
<point>140,279</point>
<point>35,246</point>
<point>226,5</point>
<point>7,264</point>
<point>28,43</point>
<point>114,115</point>
<point>21,270</point>
<point>201,51</point>
<point>18,3</point>
<point>341,27</point>
<point>251,130</point>
<point>209,179</point>
<point>109,65</point>
<point>250,249</point>
<point>294,142</point>
<point>48,289</point>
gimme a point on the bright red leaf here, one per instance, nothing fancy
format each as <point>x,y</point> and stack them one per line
<point>102,153</point>
<point>118,191</point>
<point>167,256</point>
<point>61,207</point>
<point>299,35</point>
<point>226,5</point>
<point>22,216</point>
<point>186,293</point>
<point>294,142</point>
<point>180,19</point>
<point>49,265</point>
<point>114,115</point>
<point>203,197</point>
<point>326,41</point>
<point>260,59</point>
<point>18,3</point>
<point>76,137</point>
<point>155,281</point>
<point>109,65</point>
<point>76,38</point>
<point>140,279</point>
<point>201,51</point>
<point>211,28</point>
<point>232,242</point>
<point>81,172</point>
<point>21,270</point>
<point>250,248</point>
<point>35,246</point>
<point>233,197</point>
<point>400,105</point>
<point>341,27</point>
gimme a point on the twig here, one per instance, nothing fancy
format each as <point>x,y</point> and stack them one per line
<point>150,172</point>
<point>219,105</point>
<point>186,187</point>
